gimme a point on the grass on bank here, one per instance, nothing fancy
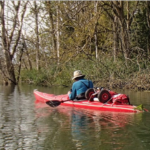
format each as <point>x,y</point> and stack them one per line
<point>103,73</point>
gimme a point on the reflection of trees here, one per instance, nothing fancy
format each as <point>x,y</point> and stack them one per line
<point>58,135</point>
<point>17,122</point>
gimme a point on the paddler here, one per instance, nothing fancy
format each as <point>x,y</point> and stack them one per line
<point>80,86</point>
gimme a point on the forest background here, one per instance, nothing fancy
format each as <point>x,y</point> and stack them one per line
<point>43,42</point>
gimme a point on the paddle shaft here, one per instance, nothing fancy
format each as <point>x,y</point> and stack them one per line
<point>55,103</point>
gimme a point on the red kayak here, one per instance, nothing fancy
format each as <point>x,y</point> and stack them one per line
<point>51,99</point>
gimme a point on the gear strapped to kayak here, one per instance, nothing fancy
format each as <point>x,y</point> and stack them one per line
<point>106,96</point>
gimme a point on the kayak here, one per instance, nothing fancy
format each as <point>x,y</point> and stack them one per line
<point>85,104</point>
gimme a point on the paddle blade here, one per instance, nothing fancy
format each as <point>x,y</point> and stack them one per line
<point>53,103</point>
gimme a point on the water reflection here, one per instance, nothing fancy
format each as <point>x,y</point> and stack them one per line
<point>16,119</point>
<point>89,129</point>
<point>95,129</point>
<point>25,124</point>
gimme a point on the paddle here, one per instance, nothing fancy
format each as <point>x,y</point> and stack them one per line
<point>55,103</point>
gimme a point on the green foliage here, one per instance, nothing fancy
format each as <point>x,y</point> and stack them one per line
<point>140,30</point>
<point>35,77</point>
<point>103,72</point>
<point>29,74</point>
<point>63,77</point>
<point>82,28</point>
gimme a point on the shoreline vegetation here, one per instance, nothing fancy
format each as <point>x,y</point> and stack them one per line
<point>103,73</point>
<point>107,74</point>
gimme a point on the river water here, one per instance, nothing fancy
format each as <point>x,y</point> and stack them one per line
<point>26,125</point>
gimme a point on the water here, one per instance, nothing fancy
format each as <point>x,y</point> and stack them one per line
<point>26,125</point>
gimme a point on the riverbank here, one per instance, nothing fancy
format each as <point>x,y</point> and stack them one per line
<point>136,82</point>
<point>103,73</point>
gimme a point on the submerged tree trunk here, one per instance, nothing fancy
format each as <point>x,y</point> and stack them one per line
<point>8,68</point>
<point>11,38</point>
<point>19,62</point>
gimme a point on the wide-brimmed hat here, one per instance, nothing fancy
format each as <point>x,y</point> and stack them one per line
<point>77,74</point>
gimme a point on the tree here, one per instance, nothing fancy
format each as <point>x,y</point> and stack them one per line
<point>11,33</point>
<point>36,12</point>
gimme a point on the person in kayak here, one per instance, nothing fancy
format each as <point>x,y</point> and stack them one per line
<point>79,87</point>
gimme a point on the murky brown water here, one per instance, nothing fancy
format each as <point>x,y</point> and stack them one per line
<point>26,125</point>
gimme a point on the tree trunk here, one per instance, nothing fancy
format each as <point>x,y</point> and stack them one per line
<point>148,23</point>
<point>127,30</point>
<point>57,33</point>
<point>37,36</point>
<point>116,38</point>
<point>19,63</point>
<point>95,35</point>
<point>49,7</point>
<point>11,39</point>
<point>8,68</point>
<point>119,12</point>
<point>27,53</point>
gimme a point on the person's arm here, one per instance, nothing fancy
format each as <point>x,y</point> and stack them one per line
<point>91,84</point>
<point>72,95</point>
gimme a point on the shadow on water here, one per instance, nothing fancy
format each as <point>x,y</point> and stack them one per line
<point>27,125</point>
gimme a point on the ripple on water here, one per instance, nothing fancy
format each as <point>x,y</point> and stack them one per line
<point>25,125</point>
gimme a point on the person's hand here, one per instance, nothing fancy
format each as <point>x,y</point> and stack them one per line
<point>69,92</point>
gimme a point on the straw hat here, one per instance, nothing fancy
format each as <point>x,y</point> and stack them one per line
<point>77,74</point>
